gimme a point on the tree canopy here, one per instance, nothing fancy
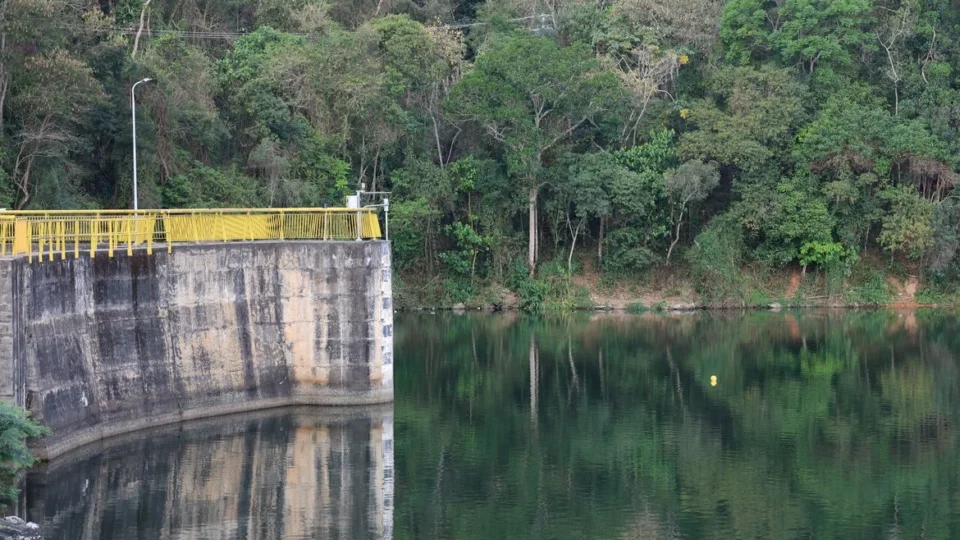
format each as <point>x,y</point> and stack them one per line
<point>607,135</point>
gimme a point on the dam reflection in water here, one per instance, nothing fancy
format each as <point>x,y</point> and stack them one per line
<point>287,474</point>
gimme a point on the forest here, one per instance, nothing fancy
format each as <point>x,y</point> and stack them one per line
<point>527,146</point>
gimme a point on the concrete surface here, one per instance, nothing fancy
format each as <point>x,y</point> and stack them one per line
<point>103,346</point>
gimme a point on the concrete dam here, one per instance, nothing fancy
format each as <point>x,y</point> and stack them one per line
<point>96,346</point>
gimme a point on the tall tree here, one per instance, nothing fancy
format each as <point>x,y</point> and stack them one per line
<point>530,95</point>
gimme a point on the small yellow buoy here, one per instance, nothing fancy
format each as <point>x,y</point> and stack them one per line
<point>713,380</point>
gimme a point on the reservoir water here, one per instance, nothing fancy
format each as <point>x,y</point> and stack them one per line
<point>724,425</point>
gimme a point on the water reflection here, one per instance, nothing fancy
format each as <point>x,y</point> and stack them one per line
<point>289,474</point>
<point>707,425</point>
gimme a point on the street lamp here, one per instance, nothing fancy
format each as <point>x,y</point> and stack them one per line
<point>133,108</point>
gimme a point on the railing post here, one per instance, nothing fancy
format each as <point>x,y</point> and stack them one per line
<point>153,221</point>
<point>166,231</point>
<point>111,236</point>
<point>359,226</point>
<point>282,225</point>
<point>41,239</point>
<point>21,237</point>
<point>132,223</point>
<point>62,234</point>
<point>94,234</point>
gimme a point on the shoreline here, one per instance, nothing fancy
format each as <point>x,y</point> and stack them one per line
<point>678,308</point>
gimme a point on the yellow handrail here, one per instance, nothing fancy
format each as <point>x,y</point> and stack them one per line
<point>59,232</point>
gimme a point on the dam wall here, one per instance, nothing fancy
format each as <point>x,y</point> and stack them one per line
<point>100,346</point>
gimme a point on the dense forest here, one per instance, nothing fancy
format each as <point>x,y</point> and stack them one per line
<point>523,142</point>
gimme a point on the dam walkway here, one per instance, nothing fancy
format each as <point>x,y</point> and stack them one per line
<point>48,234</point>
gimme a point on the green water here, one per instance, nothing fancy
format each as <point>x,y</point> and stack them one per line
<point>821,425</point>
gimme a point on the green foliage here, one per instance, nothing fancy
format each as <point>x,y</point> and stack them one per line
<point>325,177</point>
<point>411,222</point>
<point>657,154</point>
<point>468,246</point>
<point>801,125</point>
<point>938,292</point>
<point>458,290</point>
<point>516,80</point>
<point>533,295</point>
<point>552,291</point>
<point>908,227</point>
<point>828,255</point>
<point>409,54</point>
<point>808,32</point>
<point>15,427</point>
<point>715,261</point>
<point>691,182</point>
<point>205,187</point>
<point>748,120</point>
<point>868,286</point>
<point>798,217</point>
<point>637,308</point>
<point>627,252</point>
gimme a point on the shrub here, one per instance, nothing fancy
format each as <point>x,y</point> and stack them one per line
<point>15,427</point>
<point>715,260</point>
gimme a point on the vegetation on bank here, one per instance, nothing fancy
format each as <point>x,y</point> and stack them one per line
<point>871,284</point>
<point>548,149</point>
<point>15,428</point>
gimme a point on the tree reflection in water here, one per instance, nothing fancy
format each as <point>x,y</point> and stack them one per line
<point>819,425</point>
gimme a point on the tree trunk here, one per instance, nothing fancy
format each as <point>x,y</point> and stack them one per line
<point>573,244</point>
<point>25,184</point>
<point>436,137</point>
<point>532,240</point>
<point>676,237</point>
<point>136,40</point>
<point>600,242</point>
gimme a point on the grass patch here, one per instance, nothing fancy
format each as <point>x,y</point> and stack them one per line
<point>868,286</point>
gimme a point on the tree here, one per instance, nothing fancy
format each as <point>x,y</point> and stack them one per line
<point>689,183</point>
<point>52,96</point>
<point>748,121</point>
<point>908,227</point>
<point>531,95</point>
<point>807,33</point>
<point>589,181</point>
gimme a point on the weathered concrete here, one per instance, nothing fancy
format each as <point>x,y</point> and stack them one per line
<point>103,346</point>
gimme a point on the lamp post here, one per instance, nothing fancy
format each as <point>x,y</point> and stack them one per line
<point>133,108</point>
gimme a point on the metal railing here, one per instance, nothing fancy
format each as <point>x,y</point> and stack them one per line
<point>39,234</point>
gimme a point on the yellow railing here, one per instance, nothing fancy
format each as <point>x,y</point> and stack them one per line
<point>40,234</point>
